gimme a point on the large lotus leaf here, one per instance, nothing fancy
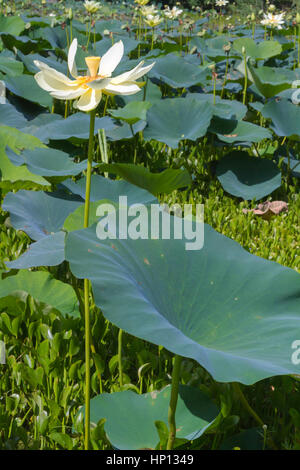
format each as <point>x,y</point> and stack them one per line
<point>26,87</point>
<point>125,131</point>
<point>51,61</point>
<point>23,43</point>
<point>10,66</point>
<point>102,46</point>
<point>226,109</point>
<point>9,116</point>
<point>108,25</point>
<point>77,125</point>
<point>177,72</point>
<point>11,24</point>
<point>48,251</point>
<point>248,177</point>
<point>262,50</point>
<point>105,188</point>
<point>44,288</point>
<point>37,125</point>
<point>172,120</point>
<point>49,162</point>
<point>126,412</point>
<point>56,36</point>
<point>269,81</point>
<point>233,312</point>
<point>38,213</point>
<point>16,140</point>
<point>156,183</point>
<point>132,112</point>
<point>230,131</point>
<point>285,118</point>
<point>152,93</point>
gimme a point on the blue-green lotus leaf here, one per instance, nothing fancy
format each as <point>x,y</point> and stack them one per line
<point>132,112</point>
<point>261,50</point>
<point>156,183</point>
<point>285,118</point>
<point>226,109</point>
<point>248,177</point>
<point>126,411</point>
<point>38,213</point>
<point>10,66</point>
<point>230,131</point>
<point>236,314</point>
<point>177,72</point>
<point>172,120</point>
<point>105,188</point>
<point>44,288</point>
<point>9,116</point>
<point>11,24</point>
<point>48,162</point>
<point>48,251</point>
<point>26,87</point>
<point>77,126</point>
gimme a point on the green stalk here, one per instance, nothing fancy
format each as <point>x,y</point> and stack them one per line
<point>120,357</point>
<point>225,76</point>
<point>87,285</point>
<point>173,402</point>
<point>246,78</point>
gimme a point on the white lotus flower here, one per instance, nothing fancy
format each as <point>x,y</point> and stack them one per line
<point>152,20</point>
<point>172,14</point>
<point>149,10</point>
<point>221,3</point>
<point>91,6</point>
<point>273,20</point>
<point>88,89</point>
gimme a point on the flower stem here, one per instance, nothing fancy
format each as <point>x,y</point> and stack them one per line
<point>173,401</point>
<point>246,79</point>
<point>87,286</point>
<point>120,357</point>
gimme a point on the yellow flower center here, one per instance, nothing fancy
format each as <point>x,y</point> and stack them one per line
<point>93,65</point>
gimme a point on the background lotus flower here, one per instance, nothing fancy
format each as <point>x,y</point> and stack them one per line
<point>172,14</point>
<point>273,20</point>
<point>88,89</point>
<point>153,20</point>
<point>91,6</point>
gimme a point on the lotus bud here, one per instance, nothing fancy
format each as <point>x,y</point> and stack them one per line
<point>227,48</point>
<point>70,14</point>
<point>298,18</point>
<point>272,8</point>
<point>252,16</point>
<point>243,50</point>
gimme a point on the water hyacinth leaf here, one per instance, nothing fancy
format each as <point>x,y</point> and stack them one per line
<point>248,177</point>
<point>171,120</point>
<point>262,50</point>
<point>126,411</point>
<point>43,288</point>
<point>48,251</point>
<point>11,25</point>
<point>156,183</point>
<point>230,131</point>
<point>39,213</point>
<point>285,118</point>
<point>50,162</point>
<point>233,312</point>
<point>105,188</point>
<point>177,72</point>
<point>132,112</point>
